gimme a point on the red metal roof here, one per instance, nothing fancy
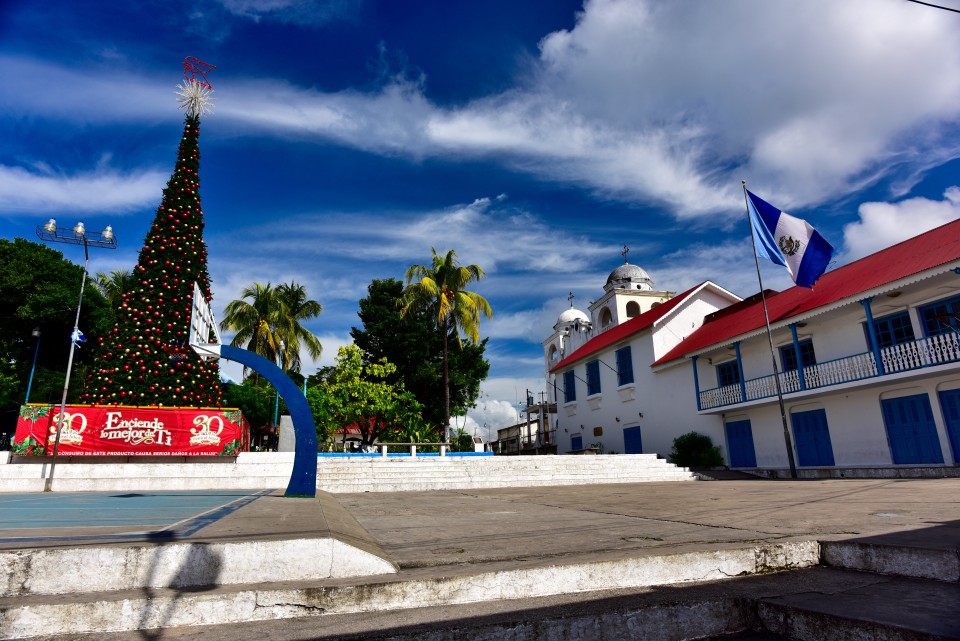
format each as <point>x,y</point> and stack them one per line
<point>623,330</point>
<point>926,251</point>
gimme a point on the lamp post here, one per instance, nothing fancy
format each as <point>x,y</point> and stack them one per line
<point>77,235</point>
<point>36,334</point>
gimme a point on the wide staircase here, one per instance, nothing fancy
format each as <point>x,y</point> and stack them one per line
<point>414,474</point>
<point>268,470</point>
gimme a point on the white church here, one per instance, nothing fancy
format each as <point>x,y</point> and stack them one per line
<point>868,365</point>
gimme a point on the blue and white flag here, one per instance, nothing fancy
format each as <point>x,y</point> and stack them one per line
<point>76,336</point>
<point>789,241</point>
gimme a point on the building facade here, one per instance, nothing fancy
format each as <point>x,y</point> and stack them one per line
<point>867,361</point>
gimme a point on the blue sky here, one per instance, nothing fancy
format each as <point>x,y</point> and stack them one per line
<point>534,137</point>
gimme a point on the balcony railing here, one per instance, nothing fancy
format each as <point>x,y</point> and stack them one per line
<point>926,352</point>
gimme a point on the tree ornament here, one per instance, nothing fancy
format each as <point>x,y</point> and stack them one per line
<point>196,99</point>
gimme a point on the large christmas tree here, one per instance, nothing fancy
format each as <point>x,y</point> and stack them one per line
<point>146,359</point>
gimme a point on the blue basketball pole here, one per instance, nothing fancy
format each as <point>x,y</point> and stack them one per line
<point>303,478</point>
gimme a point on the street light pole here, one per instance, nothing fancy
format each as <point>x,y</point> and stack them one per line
<point>78,235</point>
<point>36,334</point>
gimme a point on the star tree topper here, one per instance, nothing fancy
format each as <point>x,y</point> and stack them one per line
<point>195,91</point>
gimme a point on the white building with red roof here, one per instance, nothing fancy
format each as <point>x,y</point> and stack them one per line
<point>868,362</point>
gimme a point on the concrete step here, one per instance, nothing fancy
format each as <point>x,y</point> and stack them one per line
<point>26,616</point>
<point>899,609</point>
<point>772,590</point>
<point>899,554</point>
<point>804,605</point>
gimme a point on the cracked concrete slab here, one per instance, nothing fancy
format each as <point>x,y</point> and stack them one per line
<point>424,529</point>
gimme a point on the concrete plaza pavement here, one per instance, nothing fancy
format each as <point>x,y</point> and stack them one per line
<point>530,525</point>
<point>442,535</point>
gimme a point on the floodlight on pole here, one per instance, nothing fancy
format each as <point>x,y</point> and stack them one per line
<point>77,235</point>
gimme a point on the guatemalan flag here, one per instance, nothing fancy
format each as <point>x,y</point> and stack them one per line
<point>789,241</point>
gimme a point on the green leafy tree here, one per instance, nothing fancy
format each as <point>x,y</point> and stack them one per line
<point>255,400</point>
<point>440,288</point>
<point>461,441</point>
<point>414,430</point>
<point>357,394</point>
<point>39,289</point>
<point>695,450</point>
<point>146,360</point>
<point>413,344</point>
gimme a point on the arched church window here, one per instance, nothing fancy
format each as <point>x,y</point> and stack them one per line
<point>633,309</point>
<point>605,317</point>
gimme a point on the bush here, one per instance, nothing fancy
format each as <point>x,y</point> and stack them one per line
<point>695,450</point>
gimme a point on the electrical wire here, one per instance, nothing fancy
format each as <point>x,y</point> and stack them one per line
<point>935,6</point>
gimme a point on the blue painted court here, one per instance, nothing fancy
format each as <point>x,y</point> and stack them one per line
<point>179,513</point>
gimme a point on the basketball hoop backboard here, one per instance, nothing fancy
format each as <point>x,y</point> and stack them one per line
<point>204,335</point>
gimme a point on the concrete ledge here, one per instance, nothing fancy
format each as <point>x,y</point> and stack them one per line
<point>899,560</point>
<point>182,565</point>
<point>892,610</point>
<point>331,544</point>
<point>164,607</point>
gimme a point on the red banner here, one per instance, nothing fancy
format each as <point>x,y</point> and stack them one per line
<point>90,430</point>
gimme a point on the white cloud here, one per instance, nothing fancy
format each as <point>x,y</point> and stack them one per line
<point>732,75</point>
<point>501,399</point>
<point>667,103</point>
<point>730,265</point>
<point>487,417</point>
<point>884,224</point>
<point>92,95</point>
<point>102,190</point>
<point>499,241</point>
<point>671,103</point>
<point>311,12</point>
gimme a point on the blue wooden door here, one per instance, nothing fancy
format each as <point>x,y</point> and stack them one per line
<point>740,444</point>
<point>812,438</point>
<point>950,405</point>
<point>911,431</point>
<point>576,442</point>
<point>632,443</point>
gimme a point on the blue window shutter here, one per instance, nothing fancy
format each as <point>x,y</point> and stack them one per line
<point>569,387</point>
<point>593,378</point>
<point>624,366</point>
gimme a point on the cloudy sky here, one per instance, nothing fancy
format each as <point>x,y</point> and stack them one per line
<point>535,138</point>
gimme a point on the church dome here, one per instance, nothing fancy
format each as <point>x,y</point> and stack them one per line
<point>572,315</point>
<point>628,276</point>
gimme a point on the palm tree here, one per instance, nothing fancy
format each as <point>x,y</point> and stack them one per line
<point>440,289</point>
<point>270,323</point>
<point>114,285</point>
<point>253,320</point>
<point>295,308</point>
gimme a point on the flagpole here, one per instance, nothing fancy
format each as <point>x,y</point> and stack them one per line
<point>773,358</point>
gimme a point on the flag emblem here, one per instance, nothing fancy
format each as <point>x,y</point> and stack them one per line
<point>788,245</point>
